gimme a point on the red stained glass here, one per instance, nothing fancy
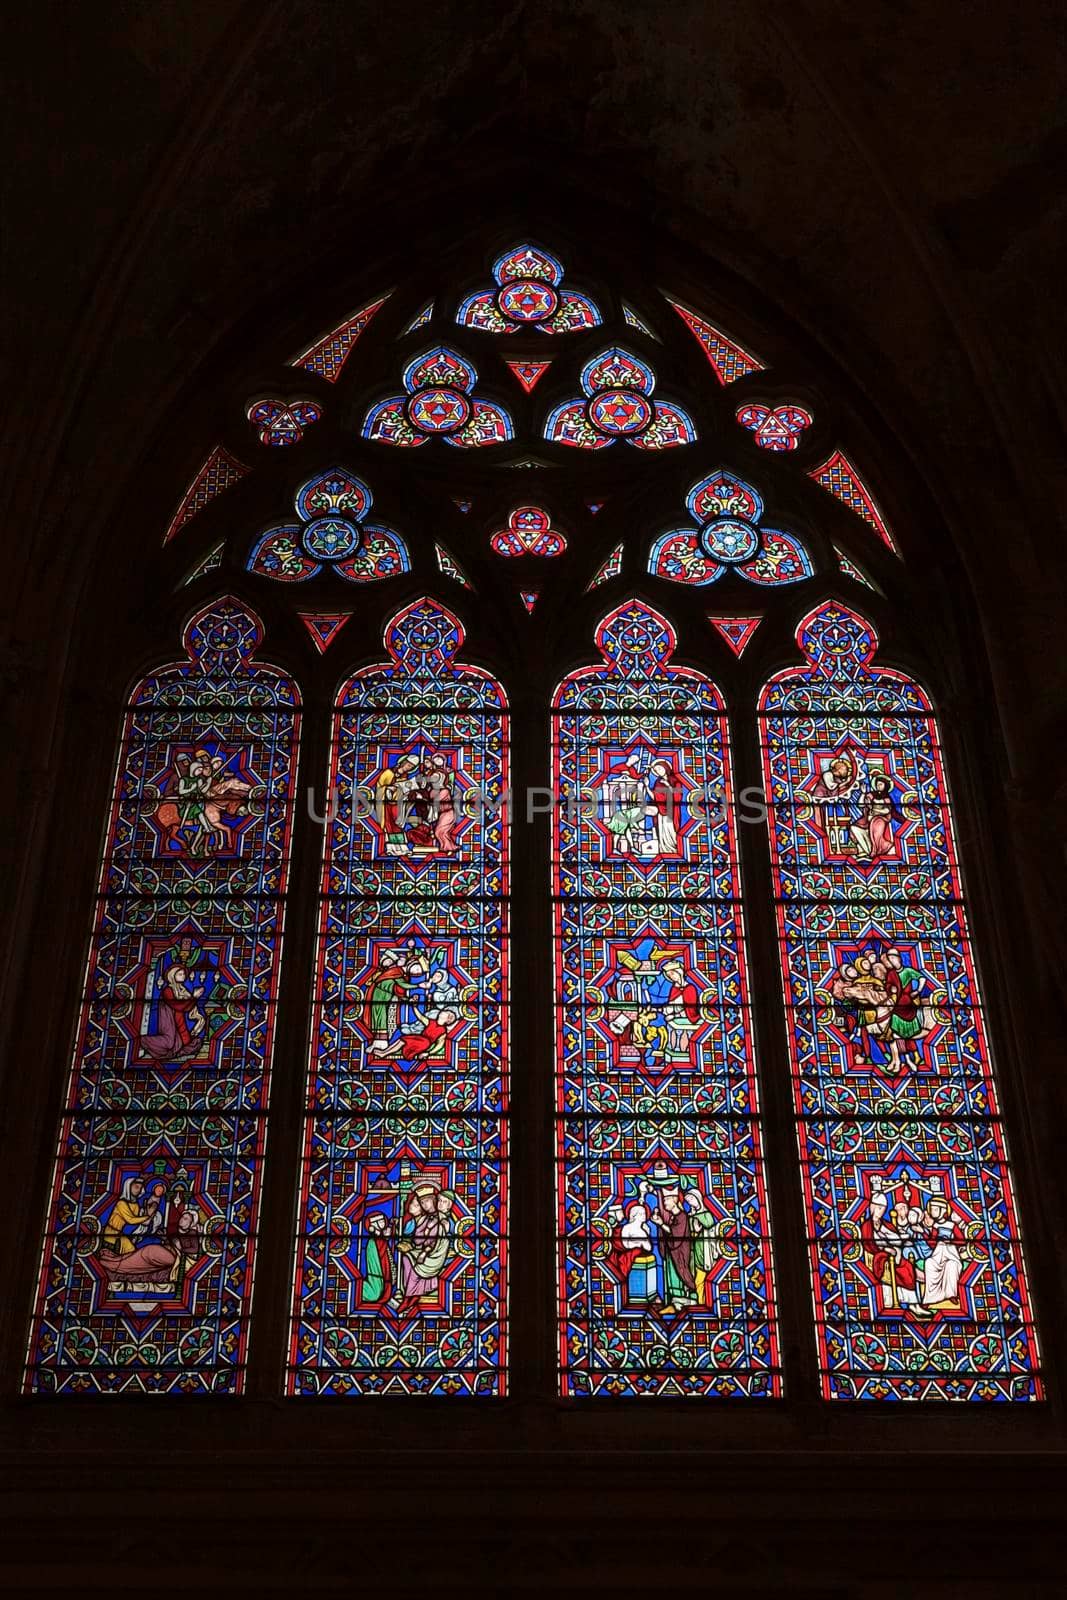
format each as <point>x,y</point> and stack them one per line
<point>328,354</point>
<point>220,471</point>
<point>839,477</point>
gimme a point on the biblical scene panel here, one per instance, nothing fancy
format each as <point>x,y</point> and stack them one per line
<point>665,1276</point>
<point>400,1280</point>
<point>917,1266</point>
<point>146,1274</point>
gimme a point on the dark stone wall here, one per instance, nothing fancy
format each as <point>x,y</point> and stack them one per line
<point>187,182</point>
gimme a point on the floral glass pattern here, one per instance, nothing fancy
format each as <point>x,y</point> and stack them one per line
<point>730,537</point>
<point>528,294</point>
<point>439,403</point>
<point>665,1276</point>
<point>401,1248</point>
<point>331,534</point>
<point>618,404</point>
<point>917,1267</point>
<point>146,1274</point>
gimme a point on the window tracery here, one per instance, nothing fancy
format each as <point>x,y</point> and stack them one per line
<point>656,1074</point>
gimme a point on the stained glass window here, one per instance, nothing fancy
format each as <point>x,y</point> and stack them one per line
<point>618,404</point>
<point>146,1276</point>
<point>529,533</point>
<point>401,1248</point>
<point>665,1278</point>
<point>729,536</point>
<point>917,1270</point>
<point>332,535</point>
<point>528,295</point>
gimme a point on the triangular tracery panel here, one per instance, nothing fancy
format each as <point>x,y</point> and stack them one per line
<point>328,355</point>
<point>220,471</point>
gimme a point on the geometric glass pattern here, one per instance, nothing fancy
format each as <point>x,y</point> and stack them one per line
<point>775,429</point>
<point>331,534</point>
<point>736,631</point>
<point>729,537</point>
<point>610,569</point>
<point>420,319</point>
<point>438,403</point>
<point>209,563</point>
<point>451,567</point>
<point>528,295</point>
<point>528,373</point>
<point>665,1279</point>
<point>839,477</point>
<point>529,598</point>
<point>851,570</point>
<point>328,355</point>
<point>147,1266</point>
<point>728,360</point>
<point>220,470</point>
<point>401,1245</point>
<point>618,404</point>
<point>323,626</point>
<point>917,1268</point>
<point>632,320</point>
<point>529,533</point>
<point>282,422</point>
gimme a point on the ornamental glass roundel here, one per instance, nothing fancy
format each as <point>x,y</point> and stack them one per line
<point>524,300</point>
<point>619,411</point>
<point>729,539</point>
<point>331,538</point>
<point>438,410</point>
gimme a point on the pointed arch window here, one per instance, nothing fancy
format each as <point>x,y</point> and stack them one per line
<point>532,598</point>
<point>666,1281</point>
<point>147,1268</point>
<point>401,1248</point>
<point>918,1279</point>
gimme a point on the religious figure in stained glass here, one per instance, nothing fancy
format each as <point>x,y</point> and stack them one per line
<point>147,1266</point>
<point>400,1271</point>
<point>917,1268</point>
<point>665,1280</point>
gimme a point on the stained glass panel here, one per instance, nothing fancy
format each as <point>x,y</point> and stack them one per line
<point>401,1236</point>
<point>917,1268</point>
<point>147,1265</point>
<point>665,1275</point>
